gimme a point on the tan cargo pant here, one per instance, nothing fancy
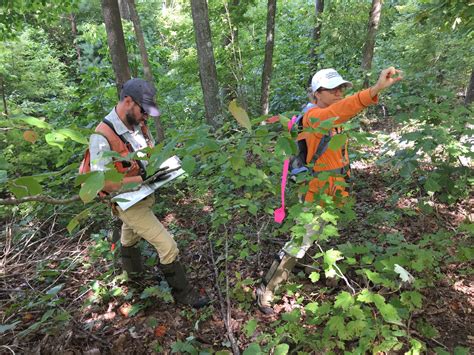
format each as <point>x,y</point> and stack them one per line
<point>139,221</point>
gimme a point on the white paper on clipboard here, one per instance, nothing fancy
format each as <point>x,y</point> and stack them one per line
<point>147,189</point>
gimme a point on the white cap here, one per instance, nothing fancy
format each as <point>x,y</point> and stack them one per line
<point>328,79</point>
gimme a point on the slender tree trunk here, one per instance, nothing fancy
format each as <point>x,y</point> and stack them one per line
<point>368,51</point>
<point>234,82</point>
<point>4,96</point>
<point>147,72</point>
<point>116,41</point>
<point>470,90</point>
<point>268,61</point>
<point>124,7</point>
<point>318,10</point>
<point>207,65</point>
<point>72,18</point>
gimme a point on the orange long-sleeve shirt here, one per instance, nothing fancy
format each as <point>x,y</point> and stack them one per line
<point>344,110</point>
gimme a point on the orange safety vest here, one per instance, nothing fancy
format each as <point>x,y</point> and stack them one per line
<point>117,144</point>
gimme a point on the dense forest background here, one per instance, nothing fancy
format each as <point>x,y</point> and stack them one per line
<point>221,69</point>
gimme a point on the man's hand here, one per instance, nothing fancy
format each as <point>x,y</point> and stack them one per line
<point>387,78</point>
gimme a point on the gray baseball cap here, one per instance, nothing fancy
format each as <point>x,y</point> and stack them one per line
<point>143,93</point>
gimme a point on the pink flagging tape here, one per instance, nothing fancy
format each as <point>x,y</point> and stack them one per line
<point>279,213</point>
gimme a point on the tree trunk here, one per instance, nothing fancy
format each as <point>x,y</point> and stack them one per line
<point>116,41</point>
<point>318,10</point>
<point>4,96</point>
<point>470,90</point>
<point>147,72</point>
<point>234,82</point>
<point>72,18</point>
<point>268,61</point>
<point>125,11</point>
<point>368,51</point>
<point>207,65</point>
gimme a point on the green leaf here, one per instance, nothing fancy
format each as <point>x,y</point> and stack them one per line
<point>336,324</point>
<point>73,134</point>
<point>91,186</point>
<point>55,139</point>
<point>388,312</point>
<point>188,164</point>
<point>4,165</point>
<point>331,256</point>
<point>135,309</point>
<point>281,349</point>
<point>76,220</point>
<point>253,349</point>
<point>33,121</point>
<point>312,307</point>
<point>3,176</point>
<point>344,300</point>
<point>240,115</point>
<point>459,350</point>
<point>365,296</point>
<point>432,185</point>
<point>285,146</point>
<point>250,327</point>
<point>314,276</point>
<point>25,186</point>
<point>337,141</point>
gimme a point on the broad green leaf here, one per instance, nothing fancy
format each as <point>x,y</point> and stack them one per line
<point>188,164</point>
<point>33,121</point>
<point>76,220</point>
<point>337,141</point>
<point>312,307</point>
<point>55,139</point>
<point>91,186</point>
<point>3,176</point>
<point>314,276</point>
<point>432,185</point>
<point>329,217</point>
<point>281,349</point>
<point>113,175</point>
<point>253,349</point>
<point>250,327</point>
<point>365,296</point>
<point>411,298</point>
<point>344,300</point>
<point>331,256</point>
<point>25,186</point>
<point>285,146</point>
<point>388,312</point>
<point>336,324</point>
<point>240,115</point>
<point>73,134</point>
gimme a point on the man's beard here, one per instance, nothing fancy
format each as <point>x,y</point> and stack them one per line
<point>131,120</point>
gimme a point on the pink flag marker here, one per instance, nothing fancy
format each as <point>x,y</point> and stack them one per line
<point>279,214</point>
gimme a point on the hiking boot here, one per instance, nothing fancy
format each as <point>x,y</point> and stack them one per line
<point>132,261</point>
<point>279,272</point>
<point>182,292</point>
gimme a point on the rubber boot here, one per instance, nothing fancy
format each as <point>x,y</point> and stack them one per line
<point>278,273</point>
<point>182,292</point>
<point>132,261</point>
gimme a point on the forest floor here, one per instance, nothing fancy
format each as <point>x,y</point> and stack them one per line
<point>55,298</point>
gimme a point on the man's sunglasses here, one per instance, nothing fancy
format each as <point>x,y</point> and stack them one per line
<point>142,111</point>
